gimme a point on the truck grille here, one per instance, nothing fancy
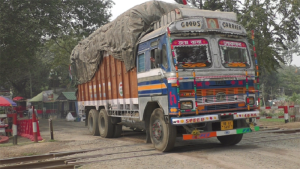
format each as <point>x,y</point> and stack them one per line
<point>221,107</point>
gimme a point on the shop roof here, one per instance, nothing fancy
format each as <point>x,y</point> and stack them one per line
<point>67,96</point>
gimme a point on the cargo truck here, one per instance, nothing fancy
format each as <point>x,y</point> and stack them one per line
<point>194,77</point>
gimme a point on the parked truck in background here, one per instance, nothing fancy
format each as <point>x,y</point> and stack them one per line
<point>194,77</point>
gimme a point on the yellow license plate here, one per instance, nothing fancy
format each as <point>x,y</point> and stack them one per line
<point>226,125</point>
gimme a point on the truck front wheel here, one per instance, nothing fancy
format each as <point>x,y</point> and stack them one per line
<point>106,127</point>
<point>230,139</point>
<point>162,135</point>
<point>92,122</point>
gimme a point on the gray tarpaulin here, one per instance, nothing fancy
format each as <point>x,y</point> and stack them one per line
<point>118,38</point>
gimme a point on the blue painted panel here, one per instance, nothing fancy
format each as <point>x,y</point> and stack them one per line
<point>172,92</point>
<point>142,47</point>
<point>158,91</point>
<point>150,82</point>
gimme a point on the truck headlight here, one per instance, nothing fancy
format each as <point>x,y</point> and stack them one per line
<point>184,105</point>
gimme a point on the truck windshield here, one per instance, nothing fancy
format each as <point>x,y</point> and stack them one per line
<point>234,54</point>
<point>191,53</point>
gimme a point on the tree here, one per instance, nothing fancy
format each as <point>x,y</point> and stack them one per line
<point>59,60</point>
<point>26,25</point>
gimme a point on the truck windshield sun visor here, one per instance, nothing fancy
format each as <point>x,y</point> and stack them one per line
<point>192,53</point>
<point>234,54</point>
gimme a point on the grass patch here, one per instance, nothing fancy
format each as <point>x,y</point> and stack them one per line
<point>11,144</point>
<point>271,120</point>
<point>52,141</point>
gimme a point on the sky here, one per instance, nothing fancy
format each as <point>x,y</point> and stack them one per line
<point>123,5</point>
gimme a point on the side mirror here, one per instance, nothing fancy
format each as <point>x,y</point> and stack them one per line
<point>158,58</point>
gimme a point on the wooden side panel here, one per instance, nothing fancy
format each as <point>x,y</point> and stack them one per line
<point>86,91</point>
<point>126,85</point>
<point>99,95</point>
<point>113,78</point>
<point>119,80</point>
<point>89,90</point>
<point>133,83</point>
<point>108,78</point>
<point>78,96</point>
<point>95,96</point>
<point>103,79</point>
<point>111,81</point>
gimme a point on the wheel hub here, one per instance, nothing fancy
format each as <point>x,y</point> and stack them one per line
<point>157,130</point>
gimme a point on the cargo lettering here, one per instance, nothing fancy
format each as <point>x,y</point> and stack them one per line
<point>191,24</point>
<point>231,26</point>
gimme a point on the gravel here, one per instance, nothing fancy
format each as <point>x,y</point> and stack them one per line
<point>129,151</point>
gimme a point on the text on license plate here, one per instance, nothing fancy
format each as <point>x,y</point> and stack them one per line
<point>227,125</point>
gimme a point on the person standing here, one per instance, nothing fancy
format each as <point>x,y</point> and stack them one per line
<point>30,113</point>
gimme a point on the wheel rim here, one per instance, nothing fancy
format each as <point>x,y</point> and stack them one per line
<point>157,130</point>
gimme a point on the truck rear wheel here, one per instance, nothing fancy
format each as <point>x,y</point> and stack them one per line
<point>230,139</point>
<point>162,135</point>
<point>118,130</point>
<point>106,127</point>
<point>92,122</point>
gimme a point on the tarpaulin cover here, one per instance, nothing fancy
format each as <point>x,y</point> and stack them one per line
<point>118,38</point>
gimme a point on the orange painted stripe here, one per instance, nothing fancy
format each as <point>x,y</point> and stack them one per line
<point>200,136</point>
<point>152,87</point>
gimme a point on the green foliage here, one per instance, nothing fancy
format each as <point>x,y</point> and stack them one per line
<point>289,79</point>
<point>294,99</point>
<point>25,27</point>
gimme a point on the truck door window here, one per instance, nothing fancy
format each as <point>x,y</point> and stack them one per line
<point>164,57</point>
<point>152,59</point>
<point>141,62</point>
<point>234,54</point>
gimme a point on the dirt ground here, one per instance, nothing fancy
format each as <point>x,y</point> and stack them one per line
<point>282,125</point>
<point>130,151</point>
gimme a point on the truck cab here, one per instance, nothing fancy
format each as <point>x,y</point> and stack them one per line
<point>199,71</point>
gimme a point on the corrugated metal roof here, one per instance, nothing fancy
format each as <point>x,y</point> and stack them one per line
<point>69,95</point>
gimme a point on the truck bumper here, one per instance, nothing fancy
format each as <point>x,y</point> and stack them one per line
<point>178,121</point>
<point>219,133</point>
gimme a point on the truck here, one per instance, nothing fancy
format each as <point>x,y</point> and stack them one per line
<point>193,76</point>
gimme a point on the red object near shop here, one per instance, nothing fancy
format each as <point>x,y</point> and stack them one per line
<point>18,98</point>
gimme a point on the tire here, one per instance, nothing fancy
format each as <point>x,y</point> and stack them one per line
<point>117,127</point>
<point>117,130</point>
<point>162,135</point>
<point>230,140</point>
<point>106,127</point>
<point>92,122</point>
